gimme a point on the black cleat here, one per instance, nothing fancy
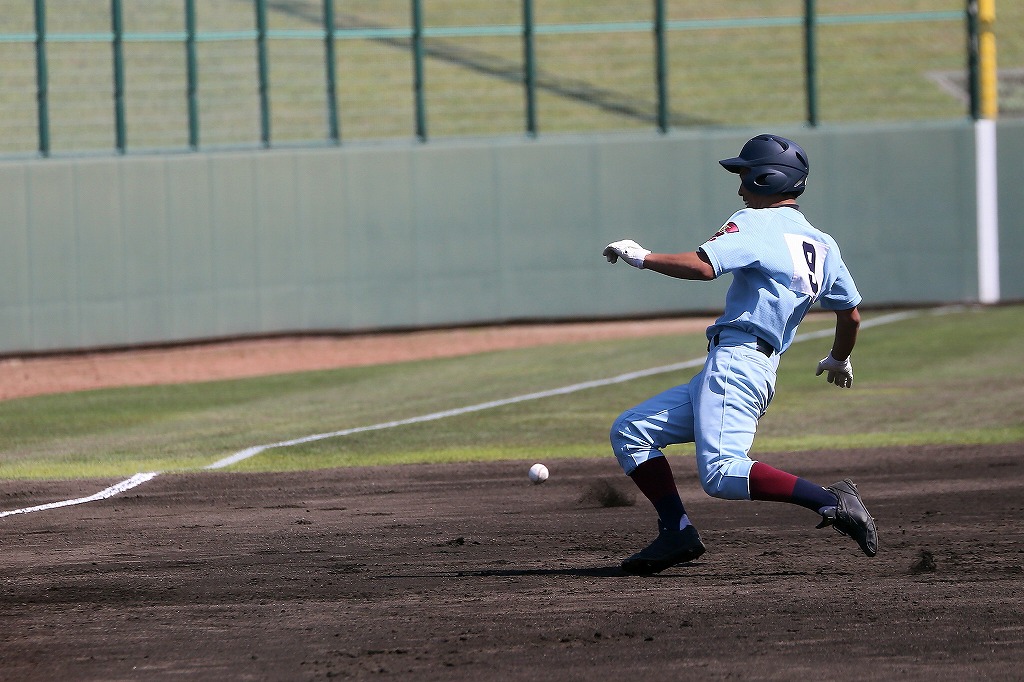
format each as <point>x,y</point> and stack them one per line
<point>851,518</point>
<point>671,547</point>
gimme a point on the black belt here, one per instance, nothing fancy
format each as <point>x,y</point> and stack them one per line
<point>762,345</point>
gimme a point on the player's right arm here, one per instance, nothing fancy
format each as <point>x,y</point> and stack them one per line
<point>687,265</point>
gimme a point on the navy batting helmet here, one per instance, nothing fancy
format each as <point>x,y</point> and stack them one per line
<point>777,165</point>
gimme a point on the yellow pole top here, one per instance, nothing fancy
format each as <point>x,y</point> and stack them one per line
<point>988,73</point>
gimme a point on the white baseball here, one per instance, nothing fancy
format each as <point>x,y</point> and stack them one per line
<point>538,473</point>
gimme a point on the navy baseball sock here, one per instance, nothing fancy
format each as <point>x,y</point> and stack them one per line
<point>772,485</point>
<point>655,481</point>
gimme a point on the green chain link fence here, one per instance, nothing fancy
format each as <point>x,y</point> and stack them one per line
<point>107,76</point>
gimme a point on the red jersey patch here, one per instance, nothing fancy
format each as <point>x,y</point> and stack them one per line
<point>728,228</point>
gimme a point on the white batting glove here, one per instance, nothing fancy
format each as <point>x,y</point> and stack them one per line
<point>839,373</point>
<point>628,250</point>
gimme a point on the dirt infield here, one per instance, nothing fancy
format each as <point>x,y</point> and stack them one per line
<point>473,573</point>
<point>433,573</point>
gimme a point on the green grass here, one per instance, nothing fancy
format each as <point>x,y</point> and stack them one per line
<point>949,378</point>
<point>473,85</point>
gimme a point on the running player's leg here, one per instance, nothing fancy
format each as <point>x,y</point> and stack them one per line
<point>732,398</point>
<point>772,485</point>
<point>637,438</point>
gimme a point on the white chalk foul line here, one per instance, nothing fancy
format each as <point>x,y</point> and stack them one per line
<point>597,383</point>
<point>116,489</point>
<point>139,479</point>
<point>249,452</point>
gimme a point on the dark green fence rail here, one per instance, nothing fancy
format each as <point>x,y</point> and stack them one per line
<point>311,63</point>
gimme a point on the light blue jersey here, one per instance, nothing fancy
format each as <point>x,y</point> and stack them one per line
<point>781,265</point>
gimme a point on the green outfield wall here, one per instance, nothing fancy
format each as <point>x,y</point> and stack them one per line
<point>1010,139</point>
<point>117,251</point>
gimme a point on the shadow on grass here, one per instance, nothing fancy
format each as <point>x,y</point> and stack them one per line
<point>509,71</point>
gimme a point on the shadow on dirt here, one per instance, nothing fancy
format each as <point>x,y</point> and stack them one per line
<point>594,572</point>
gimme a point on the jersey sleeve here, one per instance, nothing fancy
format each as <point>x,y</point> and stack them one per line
<point>843,294</point>
<point>729,249</point>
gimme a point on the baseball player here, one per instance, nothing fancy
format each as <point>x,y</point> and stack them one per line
<point>781,265</point>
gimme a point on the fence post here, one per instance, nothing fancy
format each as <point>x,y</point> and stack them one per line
<point>42,80</point>
<point>117,27</point>
<point>333,129</point>
<point>191,74</point>
<point>811,62</point>
<point>417,69</point>
<point>529,69</point>
<point>982,75</point>
<point>972,60</point>
<point>261,54</point>
<point>661,65</point>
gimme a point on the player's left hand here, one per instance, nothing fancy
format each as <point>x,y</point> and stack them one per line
<point>628,250</point>
<point>840,373</point>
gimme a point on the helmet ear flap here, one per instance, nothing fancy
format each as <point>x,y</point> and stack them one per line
<point>764,180</point>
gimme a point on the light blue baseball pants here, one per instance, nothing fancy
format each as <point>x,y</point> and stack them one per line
<point>717,410</point>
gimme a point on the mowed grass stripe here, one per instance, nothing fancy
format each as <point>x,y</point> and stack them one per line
<point>930,379</point>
